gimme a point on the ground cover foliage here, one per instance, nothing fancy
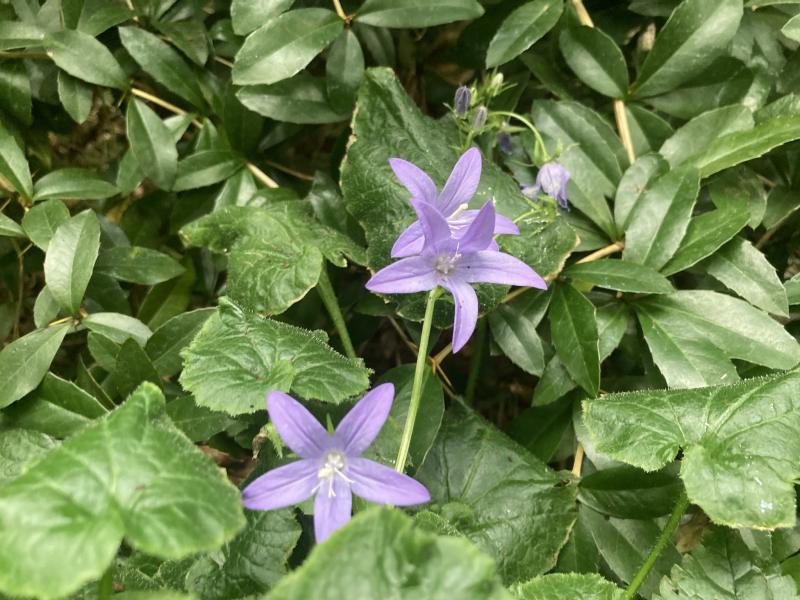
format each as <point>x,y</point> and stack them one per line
<point>195,192</point>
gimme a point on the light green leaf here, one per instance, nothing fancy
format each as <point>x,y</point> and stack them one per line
<point>285,45</point>
<point>151,144</point>
<point>131,476</point>
<point>498,495</point>
<point>16,34</point>
<point>25,361</point>
<point>82,56</point>
<point>740,449</point>
<point>522,28</point>
<point>10,228</point>
<point>73,183</point>
<point>237,358</point>
<point>793,290</point>
<point>792,28</point>
<point>692,38</point>
<point>301,99</point>
<point>416,13</point>
<point>70,258</point>
<point>344,70</point>
<point>206,167</point>
<point>249,15</point>
<point>381,554</point>
<point>615,274</point>
<point>558,586</point>
<point>659,220</point>
<point>41,221</point>
<point>137,265</point>
<point>167,342</point>
<point>574,331</point>
<point>514,329</point>
<point>742,268</point>
<point>118,327</point>
<point>163,63</point>
<point>635,183</point>
<point>20,449</point>
<point>596,59</point>
<point>15,173</point>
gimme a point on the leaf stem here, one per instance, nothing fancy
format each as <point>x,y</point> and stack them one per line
<point>105,587</point>
<point>475,363</point>
<point>666,534</point>
<point>325,291</point>
<point>416,388</point>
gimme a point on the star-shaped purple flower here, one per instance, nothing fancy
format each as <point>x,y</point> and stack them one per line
<point>331,466</point>
<point>455,263</point>
<point>451,202</point>
<point>552,180</point>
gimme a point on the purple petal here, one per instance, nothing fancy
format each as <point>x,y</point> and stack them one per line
<point>415,180</point>
<point>498,267</point>
<point>479,234</point>
<point>410,242</point>
<point>434,225</point>
<point>331,509</point>
<point>298,428</point>
<point>466,311</point>
<point>462,183</point>
<point>504,225</point>
<point>380,484</point>
<point>282,487</point>
<point>359,428</point>
<point>407,275</point>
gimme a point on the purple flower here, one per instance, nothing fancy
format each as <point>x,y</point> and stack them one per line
<point>551,180</point>
<point>455,263</point>
<point>462,100</point>
<point>331,466</point>
<point>451,202</point>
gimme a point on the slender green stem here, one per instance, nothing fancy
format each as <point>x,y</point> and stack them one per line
<point>325,290</point>
<point>527,124</point>
<point>419,374</point>
<point>105,587</point>
<point>666,534</point>
<point>475,363</point>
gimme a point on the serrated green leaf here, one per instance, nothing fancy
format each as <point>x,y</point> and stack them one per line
<point>132,476</point>
<point>596,59</point>
<point>521,29</point>
<point>284,45</point>
<point>344,70</point>
<point>694,35</point>
<point>574,331</point>
<point>740,452</point>
<point>167,342</point>
<point>621,275</point>
<point>497,494</point>
<point>416,13</point>
<point>15,173</point>
<point>237,358</point>
<point>151,144</point>
<point>558,586</point>
<point>20,449</point>
<point>137,265</point>
<point>70,259</point>
<point>249,15</point>
<point>73,183</point>
<point>301,99</point>
<point>82,56</point>
<point>381,554</point>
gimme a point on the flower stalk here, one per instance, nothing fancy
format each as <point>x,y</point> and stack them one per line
<point>416,388</point>
<point>325,291</point>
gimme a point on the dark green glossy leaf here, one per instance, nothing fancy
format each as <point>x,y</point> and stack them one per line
<point>521,29</point>
<point>151,144</point>
<point>635,183</point>
<point>514,329</point>
<point>41,221</point>
<point>167,342</point>
<point>596,60</point>
<point>249,15</point>
<point>73,183</point>
<point>416,13</point>
<point>25,361</point>
<point>10,228</point>
<point>15,90</point>
<point>629,493</point>
<point>75,96</point>
<point>137,265</point>
<point>14,170</point>
<point>118,327</point>
<point>82,56</point>
<point>614,274</point>
<point>301,99</point>
<point>574,331</point>
<point>16,34</point>
<point>691,139</point>
<point>344,70</point>
<point>206,167</point>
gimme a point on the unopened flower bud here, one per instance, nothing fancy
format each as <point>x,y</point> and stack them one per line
<point>497,83</point>
<point>504,143</point>
<point>552,180</point>
<point>479,120</point>
<point>462,100</point>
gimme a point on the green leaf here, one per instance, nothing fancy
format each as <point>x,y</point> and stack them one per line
<point>498,495</point>
<point>10,228</point>
<point>522,28</point>
<point>249,356</point>
<point>621,275</point>
<point>131,476</point>
<point>249,15</point>
<point>73,183</point>
<point>635,183</point>
<point>285,45</point>
<point>151,144</point>
<point>793,290</point>
<point>206,167</point>
<point>574,331</point>
<point>190,37</point>
<point>301,99</point>
<point>167,342</point>
<point>740,450</point>
<point>628,493</point>
<point>41,222</point>
<point>118,327</point>
<point>163,63</point>
<point>416,13</point>
<point>137,265</point>
<point>740,146</point>
<point>15,173</point>
<point>558,586</point>
<point>132,368</point>
<point>742,268</point>
<point>250,563</point>
<point>648,130</point>
<point>70,259</point>
<point>693,334</point>
<point>692,38</point>
<point>57,407</point>
<point>593,153</point>
<point>543,429</point>
<point>691,139</point>
<point>724,568</point>
<point>514,329</point>
<point>782,202</point>
<point>381,554</point>
<point>344,70</point>
<point>25,361</point>
<point>82,56</point>
<point>19,450</point>
<point>659,220</point>
<point>197,422</point>
<point>596,59</point>
<point>16,34</point>
<point>792,29</point>
<point>706,234</point>
<point>15,90</point>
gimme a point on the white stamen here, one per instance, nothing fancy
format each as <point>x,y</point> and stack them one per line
<point>445,263</point>
<point>461,208</point>
<point>333,465</point>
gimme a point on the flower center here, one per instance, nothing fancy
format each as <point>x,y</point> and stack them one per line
<point>333,464</point>
<point>445,263</point>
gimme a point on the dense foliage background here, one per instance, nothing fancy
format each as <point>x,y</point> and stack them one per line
<point>194,193</point>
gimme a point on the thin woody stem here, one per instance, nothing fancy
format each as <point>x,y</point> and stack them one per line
<point>602,252</point>
<point>340,11</point>
<point>577,463</point>
<point>328,295</point>
<point>416,388</point>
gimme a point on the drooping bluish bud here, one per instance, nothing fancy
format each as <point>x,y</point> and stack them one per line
<point>479,120</point>
<point>552,180</point>
<point>504,143</point>
<point>462,100</point>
